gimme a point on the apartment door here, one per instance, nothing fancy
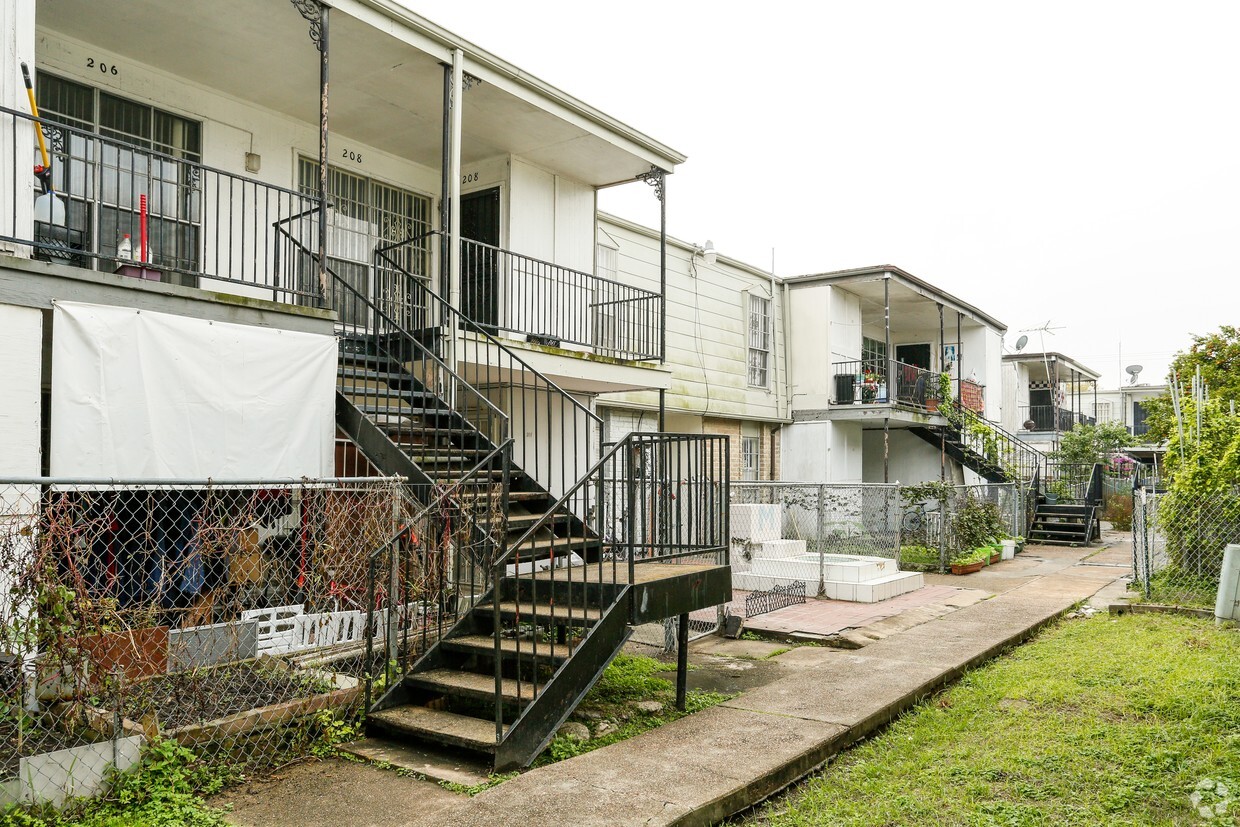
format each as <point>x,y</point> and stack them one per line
<point>480,264</point>
<point>916,355</point>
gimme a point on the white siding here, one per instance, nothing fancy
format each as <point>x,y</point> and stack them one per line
<point>821,452</point>
<point>707,328</point>
<point>21,350</point>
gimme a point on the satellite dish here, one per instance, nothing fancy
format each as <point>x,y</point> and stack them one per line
<point>1029,425</point>
<point>1133,371</point>
<point>1021,342</point>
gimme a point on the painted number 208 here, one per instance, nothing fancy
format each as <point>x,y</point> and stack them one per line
<point>469,178</point>
<point>351,155</point>
<point>105,68</point>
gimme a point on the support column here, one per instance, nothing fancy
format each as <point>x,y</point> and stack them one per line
<point>445,162</point>
<point>682,661</point>
<point>889,379</point>
<point>17,136</point>
<point>959,357</point>
<point>657,178</point>
<point>454,181</point>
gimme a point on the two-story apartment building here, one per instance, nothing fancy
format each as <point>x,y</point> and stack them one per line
<point>872,352</point>
<point>236,237</point>
<point>725,347</point>
<point>1046,395</point>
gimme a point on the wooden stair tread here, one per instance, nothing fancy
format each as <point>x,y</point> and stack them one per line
<point>453,681</point>
<point>437,725</point>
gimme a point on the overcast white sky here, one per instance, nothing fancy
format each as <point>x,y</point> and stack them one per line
<point>1070,162</point>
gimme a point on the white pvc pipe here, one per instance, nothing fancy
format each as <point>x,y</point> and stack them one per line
<point>1227,607</point>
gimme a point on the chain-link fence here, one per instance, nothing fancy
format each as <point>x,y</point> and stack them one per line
<point>785,519</point>
<point>226,616</point>
<point>1178,540</point>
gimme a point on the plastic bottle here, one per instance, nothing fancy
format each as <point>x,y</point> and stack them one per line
<point>124,250</point>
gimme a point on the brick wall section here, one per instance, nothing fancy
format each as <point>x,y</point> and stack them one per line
<point>733,430</point>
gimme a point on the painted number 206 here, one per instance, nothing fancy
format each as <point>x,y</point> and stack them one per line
<point>105,68</point>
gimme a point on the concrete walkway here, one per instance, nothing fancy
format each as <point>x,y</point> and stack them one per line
<point>706,767</point>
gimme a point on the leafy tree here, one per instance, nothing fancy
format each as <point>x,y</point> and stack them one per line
<point>1087,444</point>
<point>1218,356</point>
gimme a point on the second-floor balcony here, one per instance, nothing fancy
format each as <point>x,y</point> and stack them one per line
<point>877,382</point>
<point>1048,418</point>
<point>151,209</point>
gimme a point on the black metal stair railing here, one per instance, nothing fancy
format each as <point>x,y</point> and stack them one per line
<point>652,498</point>
<point>999,448</point>
<point>430,573</point>
<point>556,437</point>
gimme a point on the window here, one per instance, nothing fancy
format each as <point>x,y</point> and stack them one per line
<point>366,213</point>
<point>1102,412</point>
<point>874,356</point>
<point>759,341</point>
<point>103,181</point>
<point>750,447</point>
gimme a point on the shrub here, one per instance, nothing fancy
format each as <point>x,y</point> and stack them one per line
<point>1118,512</point>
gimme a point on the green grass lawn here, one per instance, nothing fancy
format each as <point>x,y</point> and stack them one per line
<point>1106,721</point>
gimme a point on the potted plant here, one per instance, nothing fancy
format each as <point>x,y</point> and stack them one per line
<point>970,562</point>
<point>869,387</point>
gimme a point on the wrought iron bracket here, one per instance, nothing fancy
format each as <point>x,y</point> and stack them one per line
<point>469,81</point>
<point>312,11</point>
<point>655,178</point>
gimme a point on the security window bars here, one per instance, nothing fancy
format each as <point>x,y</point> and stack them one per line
<point>366,214</point>
<point>759,341</point>
<point>103,181</point>
<point>750,446</point>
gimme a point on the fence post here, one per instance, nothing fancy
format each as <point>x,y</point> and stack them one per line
<point>822,533</point>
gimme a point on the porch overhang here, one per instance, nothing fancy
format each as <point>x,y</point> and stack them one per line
<point>386,79</point>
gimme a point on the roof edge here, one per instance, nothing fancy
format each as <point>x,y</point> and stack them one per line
<point>497,64</point>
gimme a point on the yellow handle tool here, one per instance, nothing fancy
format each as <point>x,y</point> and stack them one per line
<point>34,109</point>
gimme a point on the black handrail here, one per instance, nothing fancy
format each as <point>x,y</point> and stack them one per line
<point>441,497</point>
<point>204,221</point>
<point>557,427</point>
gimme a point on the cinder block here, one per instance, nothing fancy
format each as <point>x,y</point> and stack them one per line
<point>756,523</point>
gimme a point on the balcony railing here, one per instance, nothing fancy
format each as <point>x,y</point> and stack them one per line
<point>202,221</point>
<point>555,305</point>
<point>864,382</point>
<point>1045,418</point>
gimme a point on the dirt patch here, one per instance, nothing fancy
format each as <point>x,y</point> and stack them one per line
<point>208,694</point>
<point>728,676</point>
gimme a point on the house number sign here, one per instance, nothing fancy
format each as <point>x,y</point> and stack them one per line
<point>105,68</point>
<point>352,155</point>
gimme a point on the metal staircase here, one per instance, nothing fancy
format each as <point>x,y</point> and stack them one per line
<point>982,446</point>
<point>1072,519</point>
<point>495,608</point>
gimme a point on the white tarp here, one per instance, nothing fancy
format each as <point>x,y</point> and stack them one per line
<point>137,394</point>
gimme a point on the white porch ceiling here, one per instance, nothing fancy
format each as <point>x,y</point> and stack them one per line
<point>384,92</point>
